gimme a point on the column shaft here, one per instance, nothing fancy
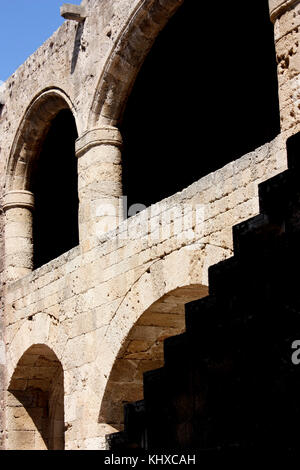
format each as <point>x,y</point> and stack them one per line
<point>18,207</point>
<point>99,183</point>
<point>285,14</point>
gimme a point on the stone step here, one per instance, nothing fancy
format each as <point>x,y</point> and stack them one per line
<point>228,381</point>
<point>117,441</point>
<point>198,313</point>
<point>134,423</point>
<point>176,349</point>
<point>273,196</point>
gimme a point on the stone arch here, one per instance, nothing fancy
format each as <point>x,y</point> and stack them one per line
<point>39,329</point>
<point>30,135</point>
<point>35,401</point>
<point>143,351</point>
<point>152,311</point>
<point>28,186</point>
<point>126,58</point>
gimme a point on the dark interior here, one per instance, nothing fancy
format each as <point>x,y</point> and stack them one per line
<point>206,95</point>
<point>230,382</point>
<point>55,222</point>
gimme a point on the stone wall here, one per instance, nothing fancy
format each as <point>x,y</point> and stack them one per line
<point>229,382</point>
<point>106,305</point>
<point>84,305</point>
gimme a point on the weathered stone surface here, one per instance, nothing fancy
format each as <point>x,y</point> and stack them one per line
<point>277,7</point>
<point>104,308</point>
<point>73,12</point>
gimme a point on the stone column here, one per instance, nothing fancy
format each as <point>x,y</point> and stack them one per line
<point>285,14</point>
<point>18,207</point>
<point>99,183</point>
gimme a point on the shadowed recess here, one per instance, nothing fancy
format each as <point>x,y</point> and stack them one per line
<point>206,94</point>
<point>54,184</point>
<point>142,350</point>
<point>35,419</point>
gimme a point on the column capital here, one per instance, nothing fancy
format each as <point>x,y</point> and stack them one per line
<point>277,7</point>
<point>18,198</point>
<point>106,135</point>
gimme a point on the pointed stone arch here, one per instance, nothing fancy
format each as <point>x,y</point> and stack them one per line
<point>126,58</point>
<point>143,351</point>
<point>35,402</point>
<point>152,311</point>
<point>30,135</point>
<point>19,197</point>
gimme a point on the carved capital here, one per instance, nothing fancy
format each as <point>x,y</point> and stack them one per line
<point>107,135</point>
<point>21,199</point>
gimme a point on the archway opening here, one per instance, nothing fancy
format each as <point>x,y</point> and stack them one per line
<point>35,402</point>
<point>54,184</point>
<point>206,94</point>
<point>142,351</point>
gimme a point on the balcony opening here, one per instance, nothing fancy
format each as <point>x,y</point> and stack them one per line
<point>206,94</point>
<point>54,184</point>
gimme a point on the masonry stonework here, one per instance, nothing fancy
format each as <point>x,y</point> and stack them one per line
<point>77,334</point>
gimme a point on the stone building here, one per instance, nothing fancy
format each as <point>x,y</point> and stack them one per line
<point>88,296</point>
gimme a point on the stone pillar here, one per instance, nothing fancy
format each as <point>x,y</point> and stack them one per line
<point>285,14</point>
<point>18,207</point>
<point>99,183</point>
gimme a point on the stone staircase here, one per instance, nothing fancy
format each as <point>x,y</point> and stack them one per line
<point>228,382</point>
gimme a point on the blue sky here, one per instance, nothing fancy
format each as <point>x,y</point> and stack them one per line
<point>25,25</point>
